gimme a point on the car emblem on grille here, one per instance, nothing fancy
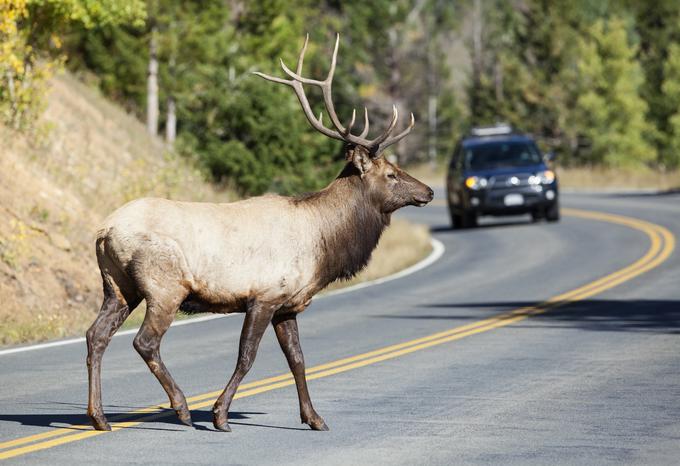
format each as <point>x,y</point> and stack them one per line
<point>512,181</point>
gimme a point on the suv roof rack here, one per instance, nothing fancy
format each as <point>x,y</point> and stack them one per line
<point>495,130</point>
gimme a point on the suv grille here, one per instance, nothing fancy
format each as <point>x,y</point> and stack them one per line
<point>509,181</point>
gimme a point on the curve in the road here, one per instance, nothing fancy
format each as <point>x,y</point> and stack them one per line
<point>662,243</point>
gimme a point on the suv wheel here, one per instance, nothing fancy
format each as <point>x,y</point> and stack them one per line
<point>467,219</point>
<point>552,212</point>
<point>456,220</point>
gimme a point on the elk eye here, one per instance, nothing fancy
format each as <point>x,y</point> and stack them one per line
<point>392,176</point>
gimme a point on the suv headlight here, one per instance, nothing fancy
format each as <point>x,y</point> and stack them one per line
<point>545,177</point>
<point>475,182</point>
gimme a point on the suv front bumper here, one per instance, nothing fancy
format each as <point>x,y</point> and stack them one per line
<point>511,200</point>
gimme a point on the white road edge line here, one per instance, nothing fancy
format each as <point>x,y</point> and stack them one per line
<point>437,251</point>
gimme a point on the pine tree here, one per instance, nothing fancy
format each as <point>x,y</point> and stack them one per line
<point>671,93</point>
<point>609,111</point>
<point>658,26</point>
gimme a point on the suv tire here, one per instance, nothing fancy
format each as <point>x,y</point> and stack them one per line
<point>465,219</point>
<point>468,219</point>
<point>552,212</point>
<point>456,220</point>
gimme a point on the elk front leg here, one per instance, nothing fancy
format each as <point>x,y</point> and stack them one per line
<point>287,333</point>
<point>257,318</point>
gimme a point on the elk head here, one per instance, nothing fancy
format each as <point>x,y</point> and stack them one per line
<point>388,186</point>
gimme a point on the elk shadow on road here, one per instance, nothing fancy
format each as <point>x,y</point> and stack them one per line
<point>639,315</point>
<point>76,421</point>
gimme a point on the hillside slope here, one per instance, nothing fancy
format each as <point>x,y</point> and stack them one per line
<point>54,189</point>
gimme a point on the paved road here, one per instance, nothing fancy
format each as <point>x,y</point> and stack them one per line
<point>595,381</point>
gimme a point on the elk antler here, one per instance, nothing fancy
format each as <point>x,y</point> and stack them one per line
<point>374,146</point>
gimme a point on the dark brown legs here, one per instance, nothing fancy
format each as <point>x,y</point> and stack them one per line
<point>115,309</point>
<point>257,318</point>
<point>158,318</point>
<point>287,333</point>
<point>148,342</point>
<point>111,316</point>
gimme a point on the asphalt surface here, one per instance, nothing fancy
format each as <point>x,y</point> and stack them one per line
<point>596,381</point>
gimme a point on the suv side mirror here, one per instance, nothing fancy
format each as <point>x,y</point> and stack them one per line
<point>549,156</point>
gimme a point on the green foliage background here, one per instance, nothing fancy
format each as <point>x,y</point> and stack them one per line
<point>249,132</point>
<point>597,81</point>
<point>594,80</point>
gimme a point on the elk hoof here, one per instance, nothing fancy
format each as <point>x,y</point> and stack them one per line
<point>316,423</point>
<point>220,422</point>
<point>100,423</point>
<point>184,416</point>
<point>319,426</point>
<point>223,427</point>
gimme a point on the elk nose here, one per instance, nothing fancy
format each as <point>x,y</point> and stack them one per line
<point>430,193</point>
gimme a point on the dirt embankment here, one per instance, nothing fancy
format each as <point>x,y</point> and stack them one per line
<point>56,185</point>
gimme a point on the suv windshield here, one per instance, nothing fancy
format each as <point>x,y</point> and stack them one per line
<point>501,154</point>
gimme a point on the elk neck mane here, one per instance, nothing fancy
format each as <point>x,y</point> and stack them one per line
<point>348,223</point>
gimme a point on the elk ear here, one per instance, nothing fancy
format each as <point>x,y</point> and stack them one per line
<point>360,158</point>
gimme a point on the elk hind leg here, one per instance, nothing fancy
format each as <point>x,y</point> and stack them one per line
<point>115,309</point>
<point>147,343</point>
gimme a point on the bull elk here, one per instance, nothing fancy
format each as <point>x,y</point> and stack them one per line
<point>266,256</point>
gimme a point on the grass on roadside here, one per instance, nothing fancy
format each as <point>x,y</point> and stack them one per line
<point>617,179</point>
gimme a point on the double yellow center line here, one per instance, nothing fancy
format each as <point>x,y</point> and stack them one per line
<point>662,243</point>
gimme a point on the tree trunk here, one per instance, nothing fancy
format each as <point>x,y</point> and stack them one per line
<point>432,129</point>
<point>394,80</point>
<point>477,58</point>
<point>12,99</point>
<point>152,85</point>
<point>171,119</point>
<point>498,81</point>
<point>433,91</point>
<point>171,122</point>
